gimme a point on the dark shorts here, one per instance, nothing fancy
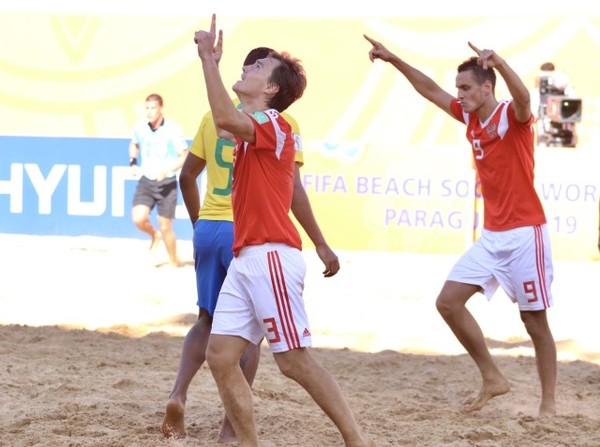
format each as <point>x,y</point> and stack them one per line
<point>162,194</point>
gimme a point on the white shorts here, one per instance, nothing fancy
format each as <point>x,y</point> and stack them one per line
<point>262,297</point>
<point>519,260</point>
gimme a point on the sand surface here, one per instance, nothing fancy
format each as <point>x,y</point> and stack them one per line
<point>91,333</point>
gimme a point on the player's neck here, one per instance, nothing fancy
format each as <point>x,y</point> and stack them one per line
<point>487,109</point>
<point>251,105</point>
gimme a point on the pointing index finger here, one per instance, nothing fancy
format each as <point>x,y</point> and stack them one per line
<point>213,24</point>
<point>474,48</point>
<point>373,42</point>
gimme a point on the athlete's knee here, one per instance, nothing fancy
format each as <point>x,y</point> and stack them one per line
<point>223,354</point>
<point>140,214</point>
<point>218,360</point>
<point>166,226</point>
<point>445,305</point>
<point>139,220</point>
<point>201,328</point>
<point>536,323</point>
<point>453,297</point>
<point>294,364</point>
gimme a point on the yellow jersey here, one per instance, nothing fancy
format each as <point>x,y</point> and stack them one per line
<point>218,154</point>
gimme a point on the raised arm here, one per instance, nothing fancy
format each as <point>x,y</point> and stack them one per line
<point>518,90</point>
<point>225,115</point>
<point>422,83</point>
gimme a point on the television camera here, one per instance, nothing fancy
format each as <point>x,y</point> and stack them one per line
<point>558,114</point>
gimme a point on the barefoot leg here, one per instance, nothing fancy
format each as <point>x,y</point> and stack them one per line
<point>249,364</point>
<point>538,329</point>
<point>156,238</point>
<point>173,423</point>
<point>489,390</point>
<point>227,433</point>
<point>451,304</point>
<point>192,358</point>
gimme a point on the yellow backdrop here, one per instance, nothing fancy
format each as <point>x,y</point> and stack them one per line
<point>384,169</point>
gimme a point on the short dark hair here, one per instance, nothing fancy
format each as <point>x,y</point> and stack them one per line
<point>547,66</point>
<point>289,75</point>
<point>256,54</point>
<point>155,97</point>
<point>481,74</point>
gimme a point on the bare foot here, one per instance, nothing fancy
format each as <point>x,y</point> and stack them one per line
<point>227,434</point>
<point>155,240</point>
<point>488,391</point>
<point>176,263</point>
<point>173,425</point>
<point>547,410</point>
<point>163,263</point>
<point>363,442</point>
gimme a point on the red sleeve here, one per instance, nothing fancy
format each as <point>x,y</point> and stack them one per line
<point>513,118</point>
<point>457,111</point>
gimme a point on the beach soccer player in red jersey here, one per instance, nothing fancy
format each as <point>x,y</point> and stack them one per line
<point>211,152</point>
<point>262,293</point>
<point>513,250</point>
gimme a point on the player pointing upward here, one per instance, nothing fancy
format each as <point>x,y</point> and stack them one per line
<point>514,248</point>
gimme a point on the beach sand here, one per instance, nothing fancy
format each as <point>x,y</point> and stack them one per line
<point>91,334</point>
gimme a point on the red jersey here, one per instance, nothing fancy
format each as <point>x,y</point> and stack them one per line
<point>503,153</point>
<point>263,184</point>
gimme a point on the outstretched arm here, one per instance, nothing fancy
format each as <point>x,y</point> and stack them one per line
<point>304,215</point>
<point>518,90</point>
<point>225,115</point>
<point>422,83</point>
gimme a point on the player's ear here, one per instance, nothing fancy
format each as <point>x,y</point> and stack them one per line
<point>271,89</point>
<point>487,85</point>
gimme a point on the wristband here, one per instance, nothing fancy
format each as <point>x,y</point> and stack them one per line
<point>133,161</point>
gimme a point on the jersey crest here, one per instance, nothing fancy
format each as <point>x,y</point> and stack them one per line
<point>260,117</point>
